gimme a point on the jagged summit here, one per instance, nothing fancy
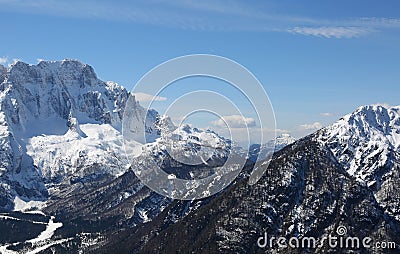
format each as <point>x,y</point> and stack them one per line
<point>382,118</point>
<point>58,89</point>
<point>66,72</point>
<point>374,127</point>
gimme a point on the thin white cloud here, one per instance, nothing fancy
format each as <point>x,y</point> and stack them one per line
<point>148,97</point>
<point>234,121</point>
<point>208,15</point>
<point>331,32</point>
<point>312,126</point>
<point>377,22</point>
<point>3,60</point>
<point>328,114</point>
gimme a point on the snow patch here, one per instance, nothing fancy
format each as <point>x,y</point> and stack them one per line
<point>31,206</point>
<point>48,232</point>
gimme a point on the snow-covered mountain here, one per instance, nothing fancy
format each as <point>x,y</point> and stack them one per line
<point>364,141</point>
<point>60,124</point>
<point>283,140</point>
<point>367,144</point>
<point>57,121</point>
<point>190,146</point>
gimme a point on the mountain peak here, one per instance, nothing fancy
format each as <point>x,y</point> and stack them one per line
<point>371,122</point>
<point>68,72</point>
<point>374,108</point>
<point>57,89</point>
<point>371,119</point>
<point>286,136</point>
<point>365,141</point>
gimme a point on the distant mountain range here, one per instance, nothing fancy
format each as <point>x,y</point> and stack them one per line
<point>66,186</point>
<point>261,152</point>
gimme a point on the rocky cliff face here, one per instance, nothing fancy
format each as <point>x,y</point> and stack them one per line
<point>58,89</point>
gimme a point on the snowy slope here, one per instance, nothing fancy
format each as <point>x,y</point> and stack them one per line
<point>98,144</point>
<point>190,145</point>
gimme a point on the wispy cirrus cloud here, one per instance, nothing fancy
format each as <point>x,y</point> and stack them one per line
<point>346,28</point>
<point>376,22</point>
<point>177,14</point>
<point>207,15</point>
<point>331,32</point>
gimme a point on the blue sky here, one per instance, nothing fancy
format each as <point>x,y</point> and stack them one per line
<point>318,60</point>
